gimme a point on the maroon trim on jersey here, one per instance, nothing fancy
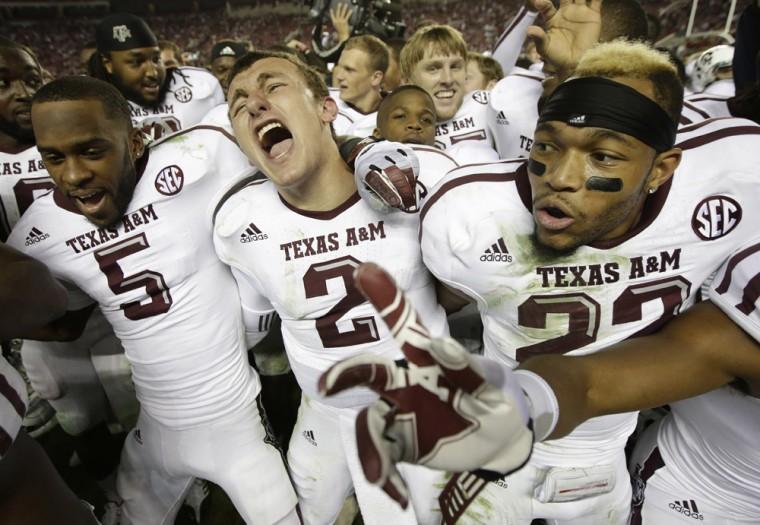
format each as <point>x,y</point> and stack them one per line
<point>684,120</point>
<point>717,135</point>
<point>695,109</point>
<point>516,20</point>
<point>63,202</point>
<point>346,115</point>
<point>732,263</point>
<point>466,179</point>
<point>524,75</point>
<point>9,393</point>
<point>323,215</point>
<point>652,464</point>
<point>700,124</point>
<point>717,98</point>
<point>199,126</point>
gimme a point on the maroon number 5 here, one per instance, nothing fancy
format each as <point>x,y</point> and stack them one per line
<point>584,313</point>
<point>153,282</point>
<point>25,189</point>
<point>315,285</point>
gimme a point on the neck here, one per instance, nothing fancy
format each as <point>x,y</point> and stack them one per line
<point>368,103</point>
<point>13,145</point>
<point>326,189</point>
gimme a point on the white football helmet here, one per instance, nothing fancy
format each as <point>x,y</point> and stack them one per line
<point>709,63</point>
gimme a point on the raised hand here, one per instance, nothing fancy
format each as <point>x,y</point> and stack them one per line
<point>340,16</point>
<point>436,409</point>
<point>569,32</point>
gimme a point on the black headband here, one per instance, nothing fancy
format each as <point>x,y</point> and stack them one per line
<point>602,103</point>
<point>121,32</point>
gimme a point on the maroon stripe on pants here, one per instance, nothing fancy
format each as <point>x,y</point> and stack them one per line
<point>639,481</point>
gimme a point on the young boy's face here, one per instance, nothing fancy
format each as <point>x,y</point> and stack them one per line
<point>409,118</point>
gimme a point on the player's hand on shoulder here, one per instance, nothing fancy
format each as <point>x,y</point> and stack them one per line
<point>435,409</point>
<point>386,176</point>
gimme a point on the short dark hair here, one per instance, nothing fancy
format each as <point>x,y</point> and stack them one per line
<point>313,79</point>
<point>623,19</point>
<point>386,102</point>
<point>76,88</point>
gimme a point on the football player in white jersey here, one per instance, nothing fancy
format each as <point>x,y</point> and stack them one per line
<point>293,241</point>
<point>568,32</point>
<point>31,490</point>
<point>67,375</point>
<point>575,278</point>
<point>130,228</point>
<point>161,102</point>
<point>359,76</point>
<point>435,58</point>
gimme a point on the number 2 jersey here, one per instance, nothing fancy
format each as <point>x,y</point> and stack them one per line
<point>476,236</point>
<point>156,278</point>
<point>23,178</point>
<point>301,264</point>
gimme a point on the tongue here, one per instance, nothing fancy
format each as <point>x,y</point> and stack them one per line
<point>280,148</point>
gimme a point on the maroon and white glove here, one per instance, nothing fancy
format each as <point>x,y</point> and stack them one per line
<point>436,411</point>
<point>386,176</point>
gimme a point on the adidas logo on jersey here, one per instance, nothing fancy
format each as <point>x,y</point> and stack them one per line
<point>688,508</point>
<point>35,236</point>
<point>502,119</point>
<point>498,252</point>
<point>309,435</point>
<point>252,233</point>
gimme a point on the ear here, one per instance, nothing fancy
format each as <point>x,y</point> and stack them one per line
<point>664,166</point>
<point>107,63</point>
<point>377,135</point>
<point>136,144</point>
<point>377,79</point>
<point>491,84</point>
<point>329,110</point>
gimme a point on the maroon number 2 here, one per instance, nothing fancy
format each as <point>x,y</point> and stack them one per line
<point>153,282</point>
<point>315,285</point>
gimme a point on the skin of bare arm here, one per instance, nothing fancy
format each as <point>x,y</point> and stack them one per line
<point>696,352</point>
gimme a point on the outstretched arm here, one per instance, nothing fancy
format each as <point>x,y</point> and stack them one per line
<point>696,352</point>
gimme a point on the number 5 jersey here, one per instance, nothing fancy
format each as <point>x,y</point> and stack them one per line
<point>156,278</point>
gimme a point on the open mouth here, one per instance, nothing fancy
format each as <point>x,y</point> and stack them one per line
<point>275,139</point>
<point>88,201</point>
<point>445,94</point>
<point>553,218</point>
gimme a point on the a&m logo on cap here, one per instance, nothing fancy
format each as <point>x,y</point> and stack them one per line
<point>121,33</point>
<point>227,51</point>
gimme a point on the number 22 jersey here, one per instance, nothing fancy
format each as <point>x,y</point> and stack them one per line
<point>476,237</point>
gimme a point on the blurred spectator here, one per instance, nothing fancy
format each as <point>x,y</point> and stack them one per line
<point>171,54</point>
<point>223,56</point>
<point>483,72</point>
<point>746,48</point>
<point>84,55</point>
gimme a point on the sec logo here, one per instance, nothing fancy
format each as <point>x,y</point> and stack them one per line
<point>715,217</point>
<point>184,94</point>
<point>169,180</point>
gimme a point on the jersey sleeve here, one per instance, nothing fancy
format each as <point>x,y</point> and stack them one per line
<point>736,287</point>
<point>508,47</point>
<point>13,403</point>
<point>434,165</point>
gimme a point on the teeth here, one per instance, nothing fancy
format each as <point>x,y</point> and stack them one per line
<point>266,128</point>
<point>445,94</point>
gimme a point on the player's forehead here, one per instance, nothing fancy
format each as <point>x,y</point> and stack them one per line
<point>261,71</point>
<point>584,136</point>
<point>82,120</point>
<point>15,60</point>
<point>354,57</point>
<point>137,53</point>
<point>412,99</point>
<point>439,53</point>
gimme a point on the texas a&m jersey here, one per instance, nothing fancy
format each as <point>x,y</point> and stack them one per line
<point>23,178</point>
<point>476,235</point>
<point>513,112</point>
<point>156,278</point>
<point>191,94</point>
<point>469,126</point>
<point>711,440</point>
<point>301,264</point>
<point>351,121</point>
